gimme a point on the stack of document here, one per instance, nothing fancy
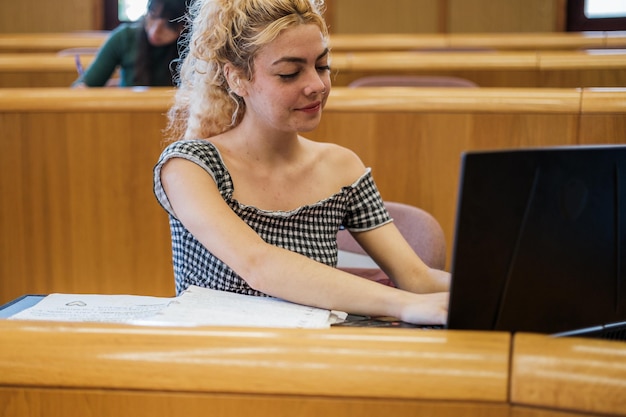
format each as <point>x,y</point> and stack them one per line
<point>197,306</point>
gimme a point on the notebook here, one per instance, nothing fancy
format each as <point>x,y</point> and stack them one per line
<point>540,242</point>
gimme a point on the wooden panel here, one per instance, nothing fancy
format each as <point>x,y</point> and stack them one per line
<point>592,68</point>
<point>471,16</point>
<point>349,42</point>
<point>25,16</point>
<point>50,42</point>
<point>528,41</point>
<point>616,39</point>
<point>342,371</point>
<point>603,116</point>
<point>39,70</point>
<point>487,69</point>
<point>490,69</point>
<point>391,16</point>
<point>536,41</point>
<point>78,213</point>
<point>105,403</point>
<point>570,374</point>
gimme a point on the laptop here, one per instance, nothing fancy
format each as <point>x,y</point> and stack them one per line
<point>540,242</point>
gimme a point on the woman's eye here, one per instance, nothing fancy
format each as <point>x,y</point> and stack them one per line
<point>289,76</point>
<point>322,68</point>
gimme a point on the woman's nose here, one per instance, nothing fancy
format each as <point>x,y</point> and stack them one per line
<point>315,84</point>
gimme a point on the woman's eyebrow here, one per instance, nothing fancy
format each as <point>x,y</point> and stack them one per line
<point>299,60</point>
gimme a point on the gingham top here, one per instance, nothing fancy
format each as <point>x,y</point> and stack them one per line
<point>309,230</point>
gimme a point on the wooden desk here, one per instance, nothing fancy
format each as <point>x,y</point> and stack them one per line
<point>346,42</point>
<point>527,69</point>
<point>603,116</point>
<point>78,213</point>
<point>39,70</point>
<point>57,369</point>
<point>78,369</point>
<point>568,375</point>
<point>50,42</point>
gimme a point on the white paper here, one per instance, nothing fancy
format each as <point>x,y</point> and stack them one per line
<point>204,306</point>
<point>94,307</point>
<point>196,306</point>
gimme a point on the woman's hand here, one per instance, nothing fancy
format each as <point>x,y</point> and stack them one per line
<point>426,309</point>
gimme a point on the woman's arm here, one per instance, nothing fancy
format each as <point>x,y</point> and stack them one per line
<point>279,272</point>
<point>396,257</point>
<point>109,57</point>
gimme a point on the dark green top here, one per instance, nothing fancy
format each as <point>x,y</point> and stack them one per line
<point>119,51</point>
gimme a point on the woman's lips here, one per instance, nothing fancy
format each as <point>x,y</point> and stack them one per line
<point>312,108</point>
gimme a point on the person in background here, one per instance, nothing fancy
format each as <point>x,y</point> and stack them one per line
<point>145,52</point>
<point>255,207</point>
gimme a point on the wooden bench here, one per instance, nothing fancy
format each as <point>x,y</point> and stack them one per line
<point>78,213</point>
<point>39,69</point>
<point>350,42</point>
<point>50,42</point>
<point>527,69</point>
<point>354,42</point>
<point>555,69</point>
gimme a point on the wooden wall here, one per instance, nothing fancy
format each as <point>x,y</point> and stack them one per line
<point>443,16</point>
<point>26,16</point>
<point>344,16</point>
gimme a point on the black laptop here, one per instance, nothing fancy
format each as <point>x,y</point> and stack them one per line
<point>540,243</point>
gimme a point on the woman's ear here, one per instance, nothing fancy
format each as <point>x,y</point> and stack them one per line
<point>233,79</point>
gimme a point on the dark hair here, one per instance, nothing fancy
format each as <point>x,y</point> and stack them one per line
<point>173,11</point>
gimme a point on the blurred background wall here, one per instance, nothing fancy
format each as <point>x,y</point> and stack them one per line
<point>344,16</point>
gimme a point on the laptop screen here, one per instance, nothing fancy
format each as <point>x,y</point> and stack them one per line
<point>540,240</point>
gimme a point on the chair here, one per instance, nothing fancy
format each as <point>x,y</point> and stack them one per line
<point>421,230</point>
<point>412,81</point>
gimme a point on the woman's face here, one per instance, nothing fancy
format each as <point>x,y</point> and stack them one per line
<point>158,29</point>
<point>291,81</point>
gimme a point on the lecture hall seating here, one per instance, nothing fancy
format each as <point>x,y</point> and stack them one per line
<point>347,42</point>
<point>96,148</point>
<point>557,69</point>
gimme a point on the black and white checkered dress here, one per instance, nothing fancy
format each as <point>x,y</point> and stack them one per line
<point>309,230</point>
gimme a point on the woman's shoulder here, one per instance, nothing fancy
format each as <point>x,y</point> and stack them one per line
<point>337,155</point>
<point>198,147</point>
<point>122,38</point>
<point>341,164</point>
<point>125,30</point>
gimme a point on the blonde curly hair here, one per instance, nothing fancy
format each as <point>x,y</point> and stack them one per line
<point>223,32</point>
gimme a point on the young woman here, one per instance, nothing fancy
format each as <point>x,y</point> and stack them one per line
<point>254,206</point>
<point>145,52</point>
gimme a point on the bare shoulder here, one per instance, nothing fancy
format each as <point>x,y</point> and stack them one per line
<point>340,160</point>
